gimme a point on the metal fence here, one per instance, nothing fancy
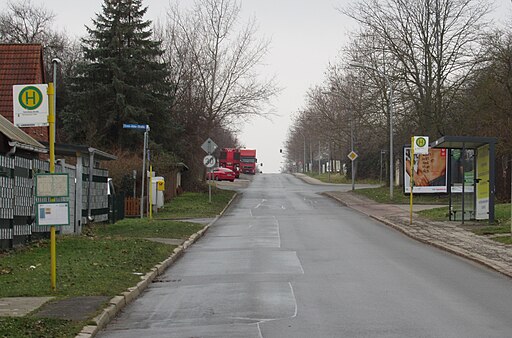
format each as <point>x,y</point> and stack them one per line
<point>18,200</point>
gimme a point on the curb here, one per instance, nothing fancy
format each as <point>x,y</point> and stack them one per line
<point>117,303</point>
<point>476,258</point>
<point>439,245</point>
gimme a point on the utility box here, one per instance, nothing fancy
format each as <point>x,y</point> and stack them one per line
<point>157,191</point>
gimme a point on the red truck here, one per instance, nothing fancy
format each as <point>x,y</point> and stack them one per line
<point>248,161</point>
<point>230,158</point>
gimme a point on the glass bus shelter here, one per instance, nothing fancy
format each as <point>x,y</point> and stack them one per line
<point>471,176</point>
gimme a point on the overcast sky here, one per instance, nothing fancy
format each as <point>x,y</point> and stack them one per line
<point>305,36</point>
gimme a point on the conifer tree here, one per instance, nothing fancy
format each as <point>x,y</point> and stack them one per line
<point>121,79</point>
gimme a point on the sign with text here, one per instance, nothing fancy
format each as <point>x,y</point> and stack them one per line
<point>52,185</point>
<point>482,187</point>
<point>429,171</point>
<point>30,105</point>
<point>135,126</point>
<point>53,213</point>
<point>420,144</point>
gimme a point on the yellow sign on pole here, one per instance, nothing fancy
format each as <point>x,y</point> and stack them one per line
<point>160,185</point>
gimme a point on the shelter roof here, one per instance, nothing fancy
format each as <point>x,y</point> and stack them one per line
<point>75,151</point>
<point>19,138</point>
<point>459,142</point>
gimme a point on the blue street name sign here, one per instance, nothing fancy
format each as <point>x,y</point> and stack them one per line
<point>134,126</point>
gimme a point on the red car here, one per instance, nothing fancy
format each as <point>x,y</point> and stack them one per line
<point>222,174</point>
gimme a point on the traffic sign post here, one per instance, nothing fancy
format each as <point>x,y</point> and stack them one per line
<point>145,128</point>
<point>209,146</point>
<point>419,145</point>
<point>352,156</point>
<point>209,161</point>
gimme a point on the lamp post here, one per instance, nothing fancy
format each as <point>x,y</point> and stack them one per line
<point>390,111</point>
<point>304,163</point>
<point>351,141</point>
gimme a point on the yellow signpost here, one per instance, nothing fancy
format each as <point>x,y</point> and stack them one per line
<point>51,122</point>
<point>412,180</point>
<point>419,145</point>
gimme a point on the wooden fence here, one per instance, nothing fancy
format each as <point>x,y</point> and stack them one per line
<point>132,206</point>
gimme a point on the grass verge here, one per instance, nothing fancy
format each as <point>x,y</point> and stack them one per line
<point>381,195</point>
<point>196,205</point>
<point>106,260</point>
<point>501,211</point>
<point>501,217</point>
<point>338,178</point>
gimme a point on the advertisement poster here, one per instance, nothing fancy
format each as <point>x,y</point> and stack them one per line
<point>482,187</point>
<point>429,171</point>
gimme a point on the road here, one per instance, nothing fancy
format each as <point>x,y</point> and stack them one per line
<point>285,261</point>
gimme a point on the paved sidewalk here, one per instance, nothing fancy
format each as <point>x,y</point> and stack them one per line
<point>448,236</point>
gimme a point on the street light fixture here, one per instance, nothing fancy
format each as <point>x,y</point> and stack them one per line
<point>390,111</point>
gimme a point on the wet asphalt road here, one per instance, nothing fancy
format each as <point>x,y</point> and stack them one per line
<point>285,261</point>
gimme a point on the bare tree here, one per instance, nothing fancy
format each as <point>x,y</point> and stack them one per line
<point>23,22</point>
<point>431,45</point>
<point>219,61</point>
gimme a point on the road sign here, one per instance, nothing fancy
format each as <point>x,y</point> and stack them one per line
<point>209,161</point>
<point>209,146</point>
<point>30,105</point>
<point>352,155</point>
<point>135,126</point>
<point>420,144</point>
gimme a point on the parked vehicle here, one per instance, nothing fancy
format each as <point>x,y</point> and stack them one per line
<point>230,158</point>
<point>221,174</point>
<point>248,161</point>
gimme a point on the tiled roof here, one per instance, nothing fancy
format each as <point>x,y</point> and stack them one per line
<point>19,137</point>
<point>19,64</point>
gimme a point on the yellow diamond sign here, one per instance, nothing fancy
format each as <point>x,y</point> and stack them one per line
<point>352,155</point>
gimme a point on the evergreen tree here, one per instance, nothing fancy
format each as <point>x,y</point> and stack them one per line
<point>121,79</point>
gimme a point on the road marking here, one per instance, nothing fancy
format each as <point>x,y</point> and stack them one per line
<point>295,312</point>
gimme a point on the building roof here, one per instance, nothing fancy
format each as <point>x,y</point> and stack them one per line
<point>75,150</point>
<point>19,64</point>
<point>19,138</point>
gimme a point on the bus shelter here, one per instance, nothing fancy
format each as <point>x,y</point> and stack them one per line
<point>471,176</point>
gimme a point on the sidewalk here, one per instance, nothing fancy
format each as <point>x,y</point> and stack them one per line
<point>447,236</point>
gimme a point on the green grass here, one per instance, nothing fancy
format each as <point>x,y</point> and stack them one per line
<point>501,217</point>
<point>86,266</point>
<point>381,195</point>
<point>196,205</point>
<point>501,211</point>
<point>28,327</point>
<point>134,227</point>
<point>104,261</point>
<point>504,239</point>
<point>436,214</point>
<point>339,179</point>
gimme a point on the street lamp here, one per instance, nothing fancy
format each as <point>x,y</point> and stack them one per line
<point>351,139</point>
<point>390,111</point>
<point>304,163</point>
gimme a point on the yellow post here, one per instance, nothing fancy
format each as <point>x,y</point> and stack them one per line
<point>51,123</point>
<point>412,178</point>
<point>150,191</point>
